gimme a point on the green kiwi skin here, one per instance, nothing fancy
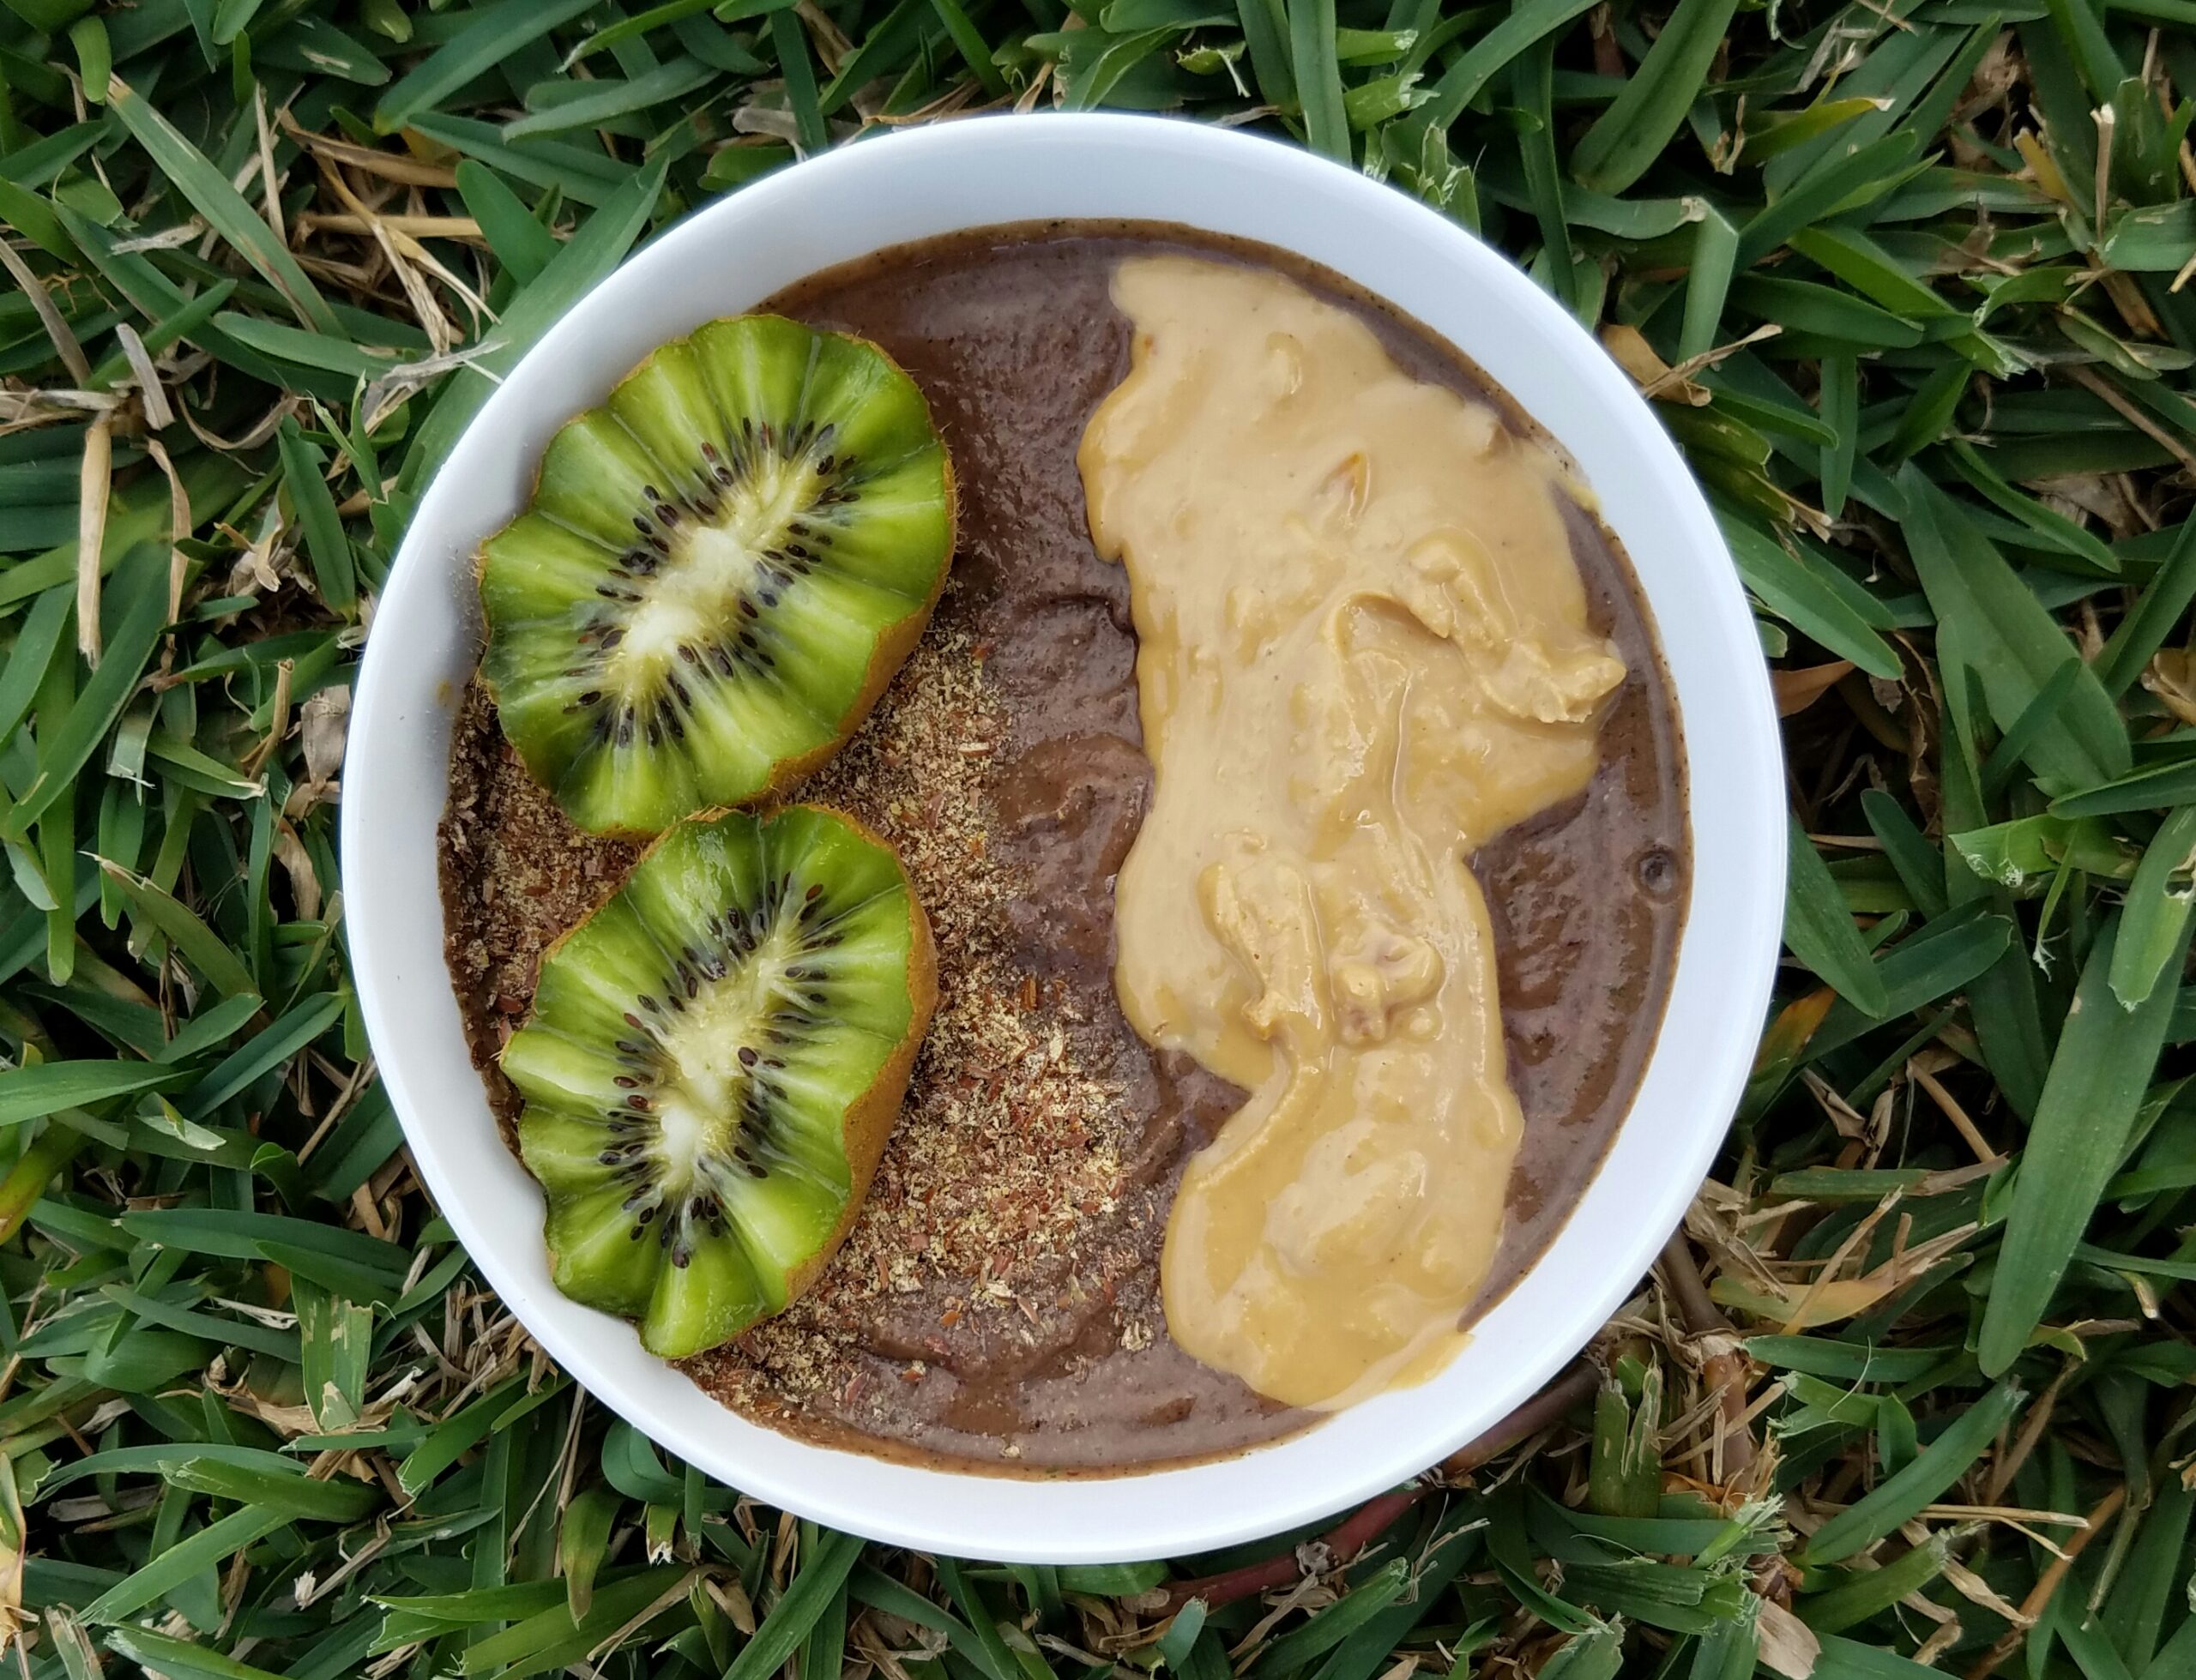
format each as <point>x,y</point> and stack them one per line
<point>732,1285</point>
<point>869,1122</point>
<point>549,752</point>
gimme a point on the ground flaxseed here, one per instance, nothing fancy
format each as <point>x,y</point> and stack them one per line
<point>515,874</point>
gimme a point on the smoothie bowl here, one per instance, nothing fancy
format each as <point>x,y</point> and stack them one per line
<point>1054,822</point>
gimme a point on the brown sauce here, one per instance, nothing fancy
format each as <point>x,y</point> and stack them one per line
<point>996,1303</point>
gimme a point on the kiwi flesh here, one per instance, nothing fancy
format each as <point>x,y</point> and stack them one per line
<point>712,1064</point>
<point>718,572</point>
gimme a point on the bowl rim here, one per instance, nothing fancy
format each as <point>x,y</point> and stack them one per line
<point>1295,1480</point>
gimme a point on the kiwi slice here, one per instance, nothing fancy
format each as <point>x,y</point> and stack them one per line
<point>713,1062</point>
<point>719,571</point>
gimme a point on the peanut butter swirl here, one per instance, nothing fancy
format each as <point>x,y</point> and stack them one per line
<point>1363,650</point>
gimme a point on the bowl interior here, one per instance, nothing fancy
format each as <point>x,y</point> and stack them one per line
<point>921,183</point>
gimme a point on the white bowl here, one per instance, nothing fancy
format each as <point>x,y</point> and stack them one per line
<point>915,184</point>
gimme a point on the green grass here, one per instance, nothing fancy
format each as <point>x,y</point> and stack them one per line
<point>1901,275</point>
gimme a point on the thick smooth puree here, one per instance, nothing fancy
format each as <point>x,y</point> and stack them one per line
<point>1362,650</point>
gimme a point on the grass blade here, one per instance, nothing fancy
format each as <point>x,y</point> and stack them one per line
<point>818,1580</point>
<point>1708,283</point>
<point>212,1545</point>
<point>1266,29</point>
<point>792,44</point>
<point>2156,610</point>
<point>2169,784</point>
<point>594,103</point>
<point>1832,186</point>
<point>2014,647</point>
<point>222,206</point>
<point>1897,1499</point>
<point>2081,1132</point>
<point>93,712</point>
<point>1819,928</point>
<point>324,539</point>
<point>582,1540</point>
<point>1791,589</point>
<point>520,244</point>
<point>162,1653</point>
<point>1859,1596</point>
<point>2154,918</point>
<point>1947,954</point>
<point>1318,77</point>
<point>297,1495</point>
<point>1491,55</point>
<point>495,33</point>
<point>45,1088</point>
<point>1626,139</point>
<point>200,945</point>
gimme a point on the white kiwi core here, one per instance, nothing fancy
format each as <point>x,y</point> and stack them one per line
<point>715,561</point>
<point>698,1100</point>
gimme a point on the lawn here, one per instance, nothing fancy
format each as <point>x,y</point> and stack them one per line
<point>1914,1389</point>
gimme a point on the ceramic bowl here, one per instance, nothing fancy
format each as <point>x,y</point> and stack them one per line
<point>915,184</point>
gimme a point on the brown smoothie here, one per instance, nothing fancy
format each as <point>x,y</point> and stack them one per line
<point>997,1302</point>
